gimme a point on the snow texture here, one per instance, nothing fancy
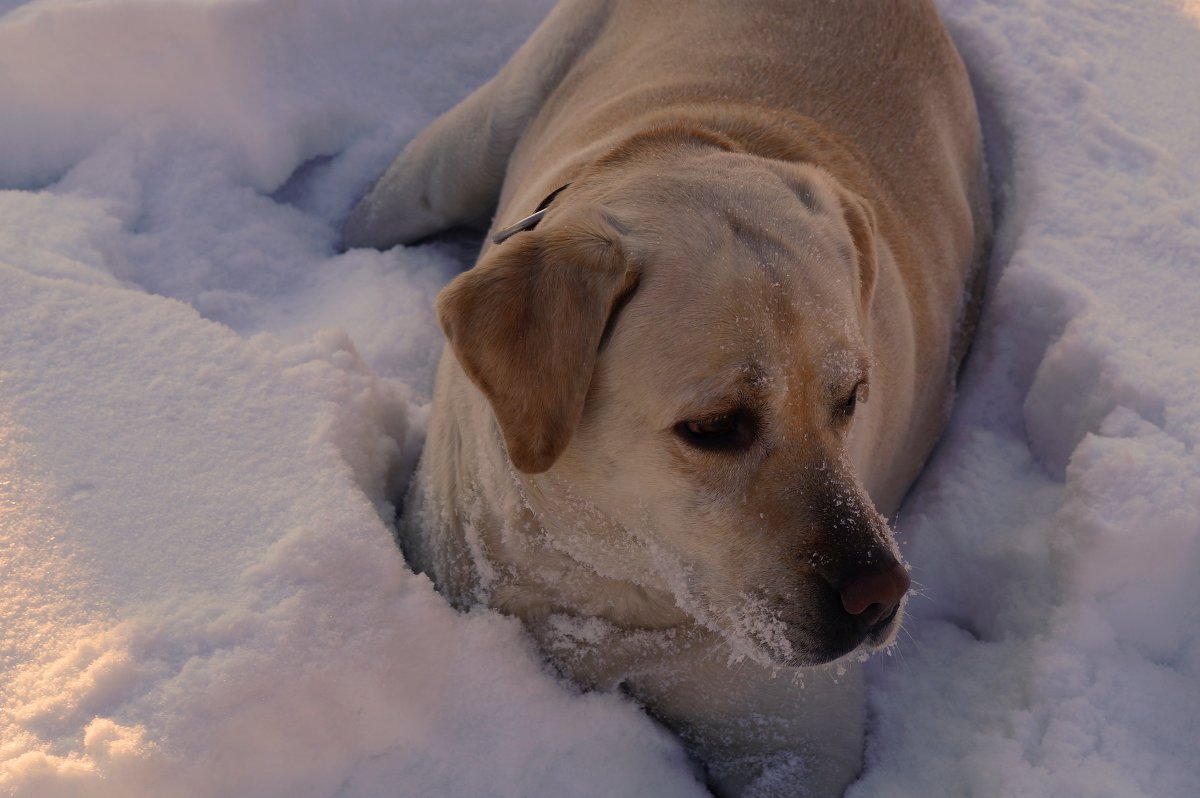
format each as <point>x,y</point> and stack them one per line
<point>204,412</point>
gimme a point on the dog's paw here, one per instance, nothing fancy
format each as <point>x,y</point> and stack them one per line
<point>397,210</point>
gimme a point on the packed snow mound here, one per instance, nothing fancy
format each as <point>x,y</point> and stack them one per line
<point>205,414</point>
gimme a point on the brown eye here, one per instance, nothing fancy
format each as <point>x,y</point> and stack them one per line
<point>716,425</point>
<point>856,397</point>
<point>727,431</point>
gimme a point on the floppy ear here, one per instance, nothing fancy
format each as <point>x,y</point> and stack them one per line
<point>861,221</point>
<point>526,322</point>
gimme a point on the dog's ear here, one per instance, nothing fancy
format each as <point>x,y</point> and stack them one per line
<point>526,323</point>
<point>860,219</point>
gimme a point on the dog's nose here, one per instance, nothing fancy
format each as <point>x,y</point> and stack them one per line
<point>873,594</point>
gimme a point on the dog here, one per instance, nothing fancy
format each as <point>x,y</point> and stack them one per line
<point>734,265</point>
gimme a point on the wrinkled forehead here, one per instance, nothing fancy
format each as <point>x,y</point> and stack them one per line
<point>756,238</point>
<point>748,308</point>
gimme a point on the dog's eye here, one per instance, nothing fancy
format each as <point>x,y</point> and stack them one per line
<point>850,403</point>
<point>721,432</point>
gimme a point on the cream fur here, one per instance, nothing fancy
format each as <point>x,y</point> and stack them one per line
<point>769,202</point>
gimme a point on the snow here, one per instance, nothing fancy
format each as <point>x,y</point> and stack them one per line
<point>204,412</point>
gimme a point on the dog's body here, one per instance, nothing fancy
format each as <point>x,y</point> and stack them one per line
<point>649,438</point>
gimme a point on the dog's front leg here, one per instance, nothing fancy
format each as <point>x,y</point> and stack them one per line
<point>451,174</point>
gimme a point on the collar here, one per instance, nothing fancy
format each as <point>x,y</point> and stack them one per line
<point>530,221</point>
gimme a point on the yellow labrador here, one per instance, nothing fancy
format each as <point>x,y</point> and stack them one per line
<point>708,348</point>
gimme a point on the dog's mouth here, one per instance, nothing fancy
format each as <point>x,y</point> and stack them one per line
<point>883,632</point>
<point>883,629</point>
<point>822,631</point>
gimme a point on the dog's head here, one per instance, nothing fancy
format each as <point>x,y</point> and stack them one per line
<point>682,345</point>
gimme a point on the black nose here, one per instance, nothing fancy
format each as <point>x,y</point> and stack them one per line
<point>873,594</point>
